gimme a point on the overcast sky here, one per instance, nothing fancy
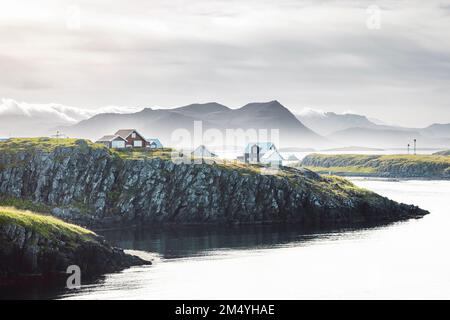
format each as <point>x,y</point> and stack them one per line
<point>328,55</point>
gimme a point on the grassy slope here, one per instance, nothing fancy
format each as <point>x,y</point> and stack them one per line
<point>343,169</point>
<point>354,163</point>
<point>46,226</point>
<point>43,144</point>
<point>442,153</point>
<point>333,186</point>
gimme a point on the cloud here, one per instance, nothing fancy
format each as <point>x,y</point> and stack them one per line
<point>56,113</point>
<point>304,53</point>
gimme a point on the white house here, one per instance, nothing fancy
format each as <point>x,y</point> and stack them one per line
<point>202,152</point>
<point>113,141</point>
<point>272,158</point>
<point>255,151</point>
<point>124,138</point>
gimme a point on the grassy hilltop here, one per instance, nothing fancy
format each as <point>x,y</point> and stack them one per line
<point>40,247</point>
<point>45,226</point>
<point>442,153</point>
<point>413,166</point>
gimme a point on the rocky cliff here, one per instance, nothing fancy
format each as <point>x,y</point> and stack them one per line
<point>392,166</point>
<point>34,246</point>
<point>89,184</point>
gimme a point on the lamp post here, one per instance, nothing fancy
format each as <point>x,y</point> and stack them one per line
<point>408,147</point>
<point>415,146</point>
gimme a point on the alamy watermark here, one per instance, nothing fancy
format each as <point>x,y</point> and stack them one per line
<point>373,21</point>
<point>191,146</point>
<point>73,282</point>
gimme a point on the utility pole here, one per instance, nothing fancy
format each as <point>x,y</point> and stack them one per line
<point>415,146</point>
<point>57,136</point>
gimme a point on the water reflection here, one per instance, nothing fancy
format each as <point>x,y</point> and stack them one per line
<point>181,242</point>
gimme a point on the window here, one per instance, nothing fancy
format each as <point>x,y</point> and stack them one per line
<point>118,144</point>
<point>133,135</point>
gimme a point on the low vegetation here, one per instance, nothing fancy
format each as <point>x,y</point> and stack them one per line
<point>43,144</point>
<point>45,225</point>
<point>24,204</point>
<point>356,170</point>
<point>342,188</point>
<point>442,153</point>
<point>143,154</point>
<point>15,145</point>
<point>407,165</point>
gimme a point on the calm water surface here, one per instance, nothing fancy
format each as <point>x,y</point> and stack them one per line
<point>403,260</point>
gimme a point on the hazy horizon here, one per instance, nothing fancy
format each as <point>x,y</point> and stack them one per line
<point>71,115</point>
<point>387,60</point>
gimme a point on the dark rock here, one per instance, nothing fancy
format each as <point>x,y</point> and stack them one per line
<point>92,186</point>
<point>25,252</point>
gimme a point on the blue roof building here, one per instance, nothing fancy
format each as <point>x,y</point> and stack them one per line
<point>255,151</point>
<point>263,147</point>
<point>154,143</point>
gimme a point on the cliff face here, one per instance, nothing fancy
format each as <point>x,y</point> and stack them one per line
<point>90,185</point>
<point>395,166</point>
<point>41,246</point>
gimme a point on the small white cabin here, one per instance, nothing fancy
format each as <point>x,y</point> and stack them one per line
<point>202,152</point>
<point>272,158</point>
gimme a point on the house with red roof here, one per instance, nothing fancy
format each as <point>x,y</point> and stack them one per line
<point>124,138</point>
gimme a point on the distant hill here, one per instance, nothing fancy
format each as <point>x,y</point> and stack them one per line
<point>393,166</point>
<point>442,153</point>
<point>162,123</point>
<point>352,149</point>
<point>437,130</point>
<point>353,129</point>
<point>309,129</point>
<point>326,123</point>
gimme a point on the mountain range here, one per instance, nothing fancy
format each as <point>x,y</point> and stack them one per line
<point>308,129</point>
<point>162,123</point>
<point>358,130</point>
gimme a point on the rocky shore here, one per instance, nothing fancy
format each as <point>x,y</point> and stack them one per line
<point>34,246</point>
<point>90,185</point>
<point>435,167</point>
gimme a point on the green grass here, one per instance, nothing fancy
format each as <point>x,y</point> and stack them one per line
<point>245,168</point>
<point>338,187</point>
<point>144,153</point>
<point>26,204</point>
<point>442,153</point>
<point>356,170</point>
<point>46,226</point>
<point>23,204</point>
<point>372,164</point>
<point>43,144</point>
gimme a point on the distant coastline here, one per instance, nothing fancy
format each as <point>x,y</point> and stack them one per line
<point>388,166</point>
<point>353,149</point>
